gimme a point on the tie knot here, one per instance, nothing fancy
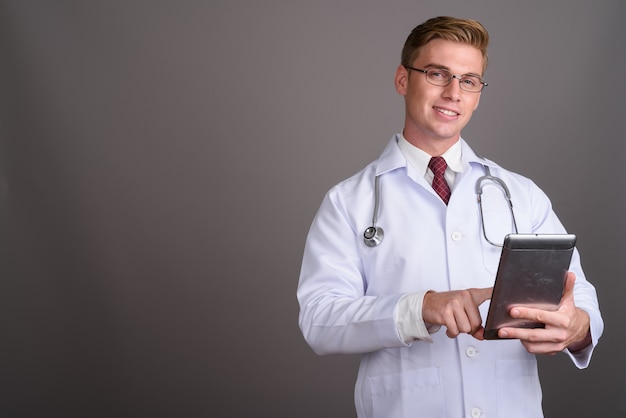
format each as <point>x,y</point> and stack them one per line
<point>438,165</point>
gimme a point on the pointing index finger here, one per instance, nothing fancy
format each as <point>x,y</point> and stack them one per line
<point>481,295</point>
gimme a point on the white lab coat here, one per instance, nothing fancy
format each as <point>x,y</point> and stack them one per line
<point>348,291</point>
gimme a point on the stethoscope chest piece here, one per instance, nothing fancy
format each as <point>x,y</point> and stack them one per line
<point>373,236</point>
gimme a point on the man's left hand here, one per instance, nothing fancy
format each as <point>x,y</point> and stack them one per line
<point>567,327</point>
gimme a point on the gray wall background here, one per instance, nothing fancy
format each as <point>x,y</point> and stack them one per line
<point>161,162</point>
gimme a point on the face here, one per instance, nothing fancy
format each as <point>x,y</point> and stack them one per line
<point>435,115</point>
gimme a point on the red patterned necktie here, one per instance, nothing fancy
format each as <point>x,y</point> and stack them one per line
<point>438,166</point>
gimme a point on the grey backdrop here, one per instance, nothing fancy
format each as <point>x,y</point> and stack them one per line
<point>162,162</point>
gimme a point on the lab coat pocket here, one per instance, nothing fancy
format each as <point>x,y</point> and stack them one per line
<point>411,393</point>
<point>518,389</point>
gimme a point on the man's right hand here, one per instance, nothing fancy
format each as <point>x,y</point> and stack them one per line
<point>457,310</point>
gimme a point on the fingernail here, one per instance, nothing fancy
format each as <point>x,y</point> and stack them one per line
<point>514,312</point>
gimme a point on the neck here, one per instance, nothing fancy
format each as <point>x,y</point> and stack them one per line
<point>434,147</point>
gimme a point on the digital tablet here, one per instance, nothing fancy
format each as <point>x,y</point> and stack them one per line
<point>532,273</point>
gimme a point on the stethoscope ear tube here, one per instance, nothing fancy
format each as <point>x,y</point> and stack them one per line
<point>507,195</point>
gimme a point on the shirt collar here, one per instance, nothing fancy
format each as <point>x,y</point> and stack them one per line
<point>392,157</point>
<point>419,159</point>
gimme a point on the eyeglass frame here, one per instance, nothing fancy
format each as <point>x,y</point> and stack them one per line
<point>458,77</point>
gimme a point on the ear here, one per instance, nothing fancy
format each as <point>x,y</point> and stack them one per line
<point>401,80</point>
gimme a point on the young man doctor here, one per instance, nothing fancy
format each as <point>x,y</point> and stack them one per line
<point>411,301</point>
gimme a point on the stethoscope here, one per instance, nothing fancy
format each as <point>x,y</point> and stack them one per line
<point>373,235</point>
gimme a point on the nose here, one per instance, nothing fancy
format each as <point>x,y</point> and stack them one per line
<point>453,89</point>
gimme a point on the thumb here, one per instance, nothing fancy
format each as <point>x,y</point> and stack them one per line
<point>568,288</point>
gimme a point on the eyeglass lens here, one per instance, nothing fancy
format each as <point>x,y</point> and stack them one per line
<point>440,77</point>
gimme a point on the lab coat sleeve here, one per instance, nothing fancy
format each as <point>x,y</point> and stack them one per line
<point>585,296</point>
<point>586,299</point>
<point>336,314</point>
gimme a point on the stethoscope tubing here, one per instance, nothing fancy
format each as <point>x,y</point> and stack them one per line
<point>373,235</point>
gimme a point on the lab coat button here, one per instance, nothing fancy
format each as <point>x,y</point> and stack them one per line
<point>470,352</point>
<point>457,236</point>
<point>476,412</point>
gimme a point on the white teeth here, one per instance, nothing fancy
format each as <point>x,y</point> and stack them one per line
<point>447,112</point>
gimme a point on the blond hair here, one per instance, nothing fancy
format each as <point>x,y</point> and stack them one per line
<point>466,31</point>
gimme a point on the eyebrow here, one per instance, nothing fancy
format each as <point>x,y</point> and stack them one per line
<point>442,67</point>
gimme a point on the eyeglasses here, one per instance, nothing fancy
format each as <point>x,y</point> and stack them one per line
<point>440,77</point>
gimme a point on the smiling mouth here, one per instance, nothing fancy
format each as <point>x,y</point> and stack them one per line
<point>446,112</point>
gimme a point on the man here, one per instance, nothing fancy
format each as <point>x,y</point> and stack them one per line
<point>411,300</point>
